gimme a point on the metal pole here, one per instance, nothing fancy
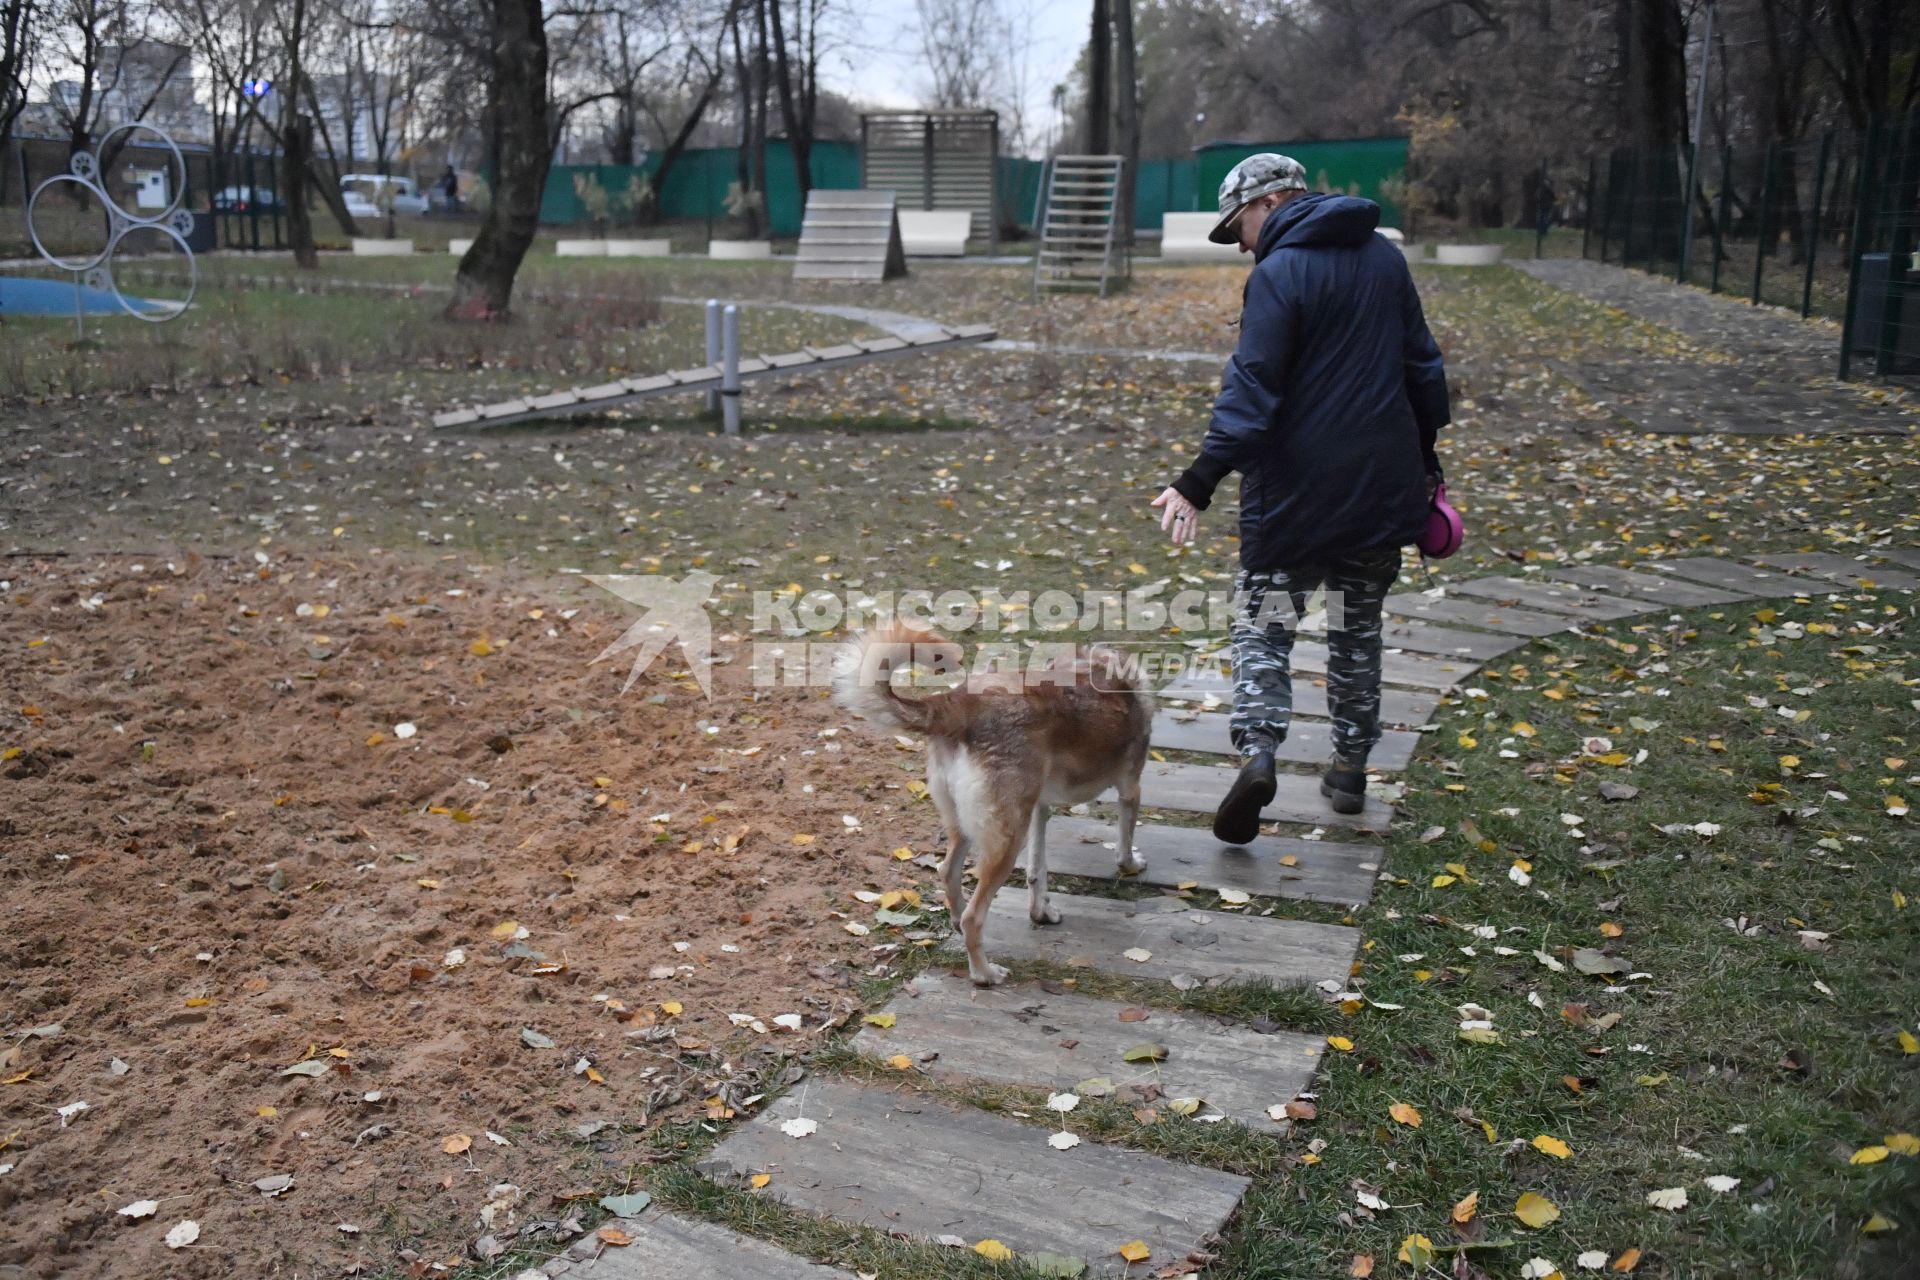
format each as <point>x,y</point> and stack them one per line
<point>1766,211</point>
<point>713,348</point>
<point>1812,243</point>
<point>730,369</point>
<point>1862,229</point>
<point>1606,209</point>
<point>1586,223</point>
<point>1540,216</point>
<point>1902,157</point>
<point>1693,157</point>
<point>1720,223</point>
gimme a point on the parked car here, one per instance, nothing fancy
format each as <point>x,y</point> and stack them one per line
<point>247,200</point>
<point>364,194</point>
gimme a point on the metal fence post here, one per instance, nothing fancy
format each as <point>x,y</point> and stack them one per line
<point>1633,212</point>
<point>1586,221</point>
<point>1766,214</point>
<point>1606,210</point>
<point>1903,157</point>
<point>713,348</point>
<point>1720,223</point>
<point>730,369</point>
<point>1812,244</point>
<point>1856,243</point>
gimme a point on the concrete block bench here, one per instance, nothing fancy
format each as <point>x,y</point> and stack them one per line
<point>365,248</point>
<point>739,250</point>
<point>639,248</point>
<point>935,233</point>
<point>1183,238</point>
<point>1466,255</point>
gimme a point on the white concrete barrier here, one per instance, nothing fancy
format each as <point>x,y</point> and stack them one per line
<point>639,248</point>
<point>364,248</point>
<point>1183,238</point>
<point>739,250</point>
<point>935,233</point>
<point>458,248</point>
<point>1466,255</point>
<point>580,248</point>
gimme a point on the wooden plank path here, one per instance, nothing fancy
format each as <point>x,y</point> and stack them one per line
<point>611,395</point>
<point>1180,940</point>
<point>1308,741</point>
<point>1317,870</point>
<point>670,1247</point>
<point>901,1160</point>
<point>1024,1036</point>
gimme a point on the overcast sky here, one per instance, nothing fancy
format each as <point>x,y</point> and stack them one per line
<point>881,63</point>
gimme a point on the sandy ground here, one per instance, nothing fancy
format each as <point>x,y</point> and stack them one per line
<point>223,858</point>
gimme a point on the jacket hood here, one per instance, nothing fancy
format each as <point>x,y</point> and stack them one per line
<point>1319,219</point>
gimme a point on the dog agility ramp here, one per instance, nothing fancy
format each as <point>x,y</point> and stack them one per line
<point>850,235</point>
<point>611,395</point>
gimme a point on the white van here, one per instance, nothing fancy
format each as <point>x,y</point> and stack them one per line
<point>364,194</point>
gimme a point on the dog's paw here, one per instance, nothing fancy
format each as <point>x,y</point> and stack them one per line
<point>1048,914</point>
<point>993,975</point>
<point>1132,865</point>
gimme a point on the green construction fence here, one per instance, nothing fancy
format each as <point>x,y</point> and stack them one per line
<point>697,188</point>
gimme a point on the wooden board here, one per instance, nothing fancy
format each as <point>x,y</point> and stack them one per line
<point>670,1247</point>
<point>896,1160</point>
<point>1907,556</point>
<point>1478,613</point>
<point>1838,568</point>
<point>1228,945</point>
<point>1020,1035</point>
<point>1199,788</point>
<point>1416,636</point>
<point>1397,706</point>
<point>1308,741</point>
<point>1672,592</point>
<point>1731,575</point>
<point>1321,870</point>
<point>1420,670</point>
<point>1547,597</point>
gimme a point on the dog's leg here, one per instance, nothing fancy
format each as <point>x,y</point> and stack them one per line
<point>998,847</point>
<point>953,870</point>
<point>1038,909</point>
<point>1132,863</point>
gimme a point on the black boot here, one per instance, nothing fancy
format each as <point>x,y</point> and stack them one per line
<point>1345,786</point>
<point>1238,819</point>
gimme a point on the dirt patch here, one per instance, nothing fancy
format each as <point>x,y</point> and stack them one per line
<point>223,857</point>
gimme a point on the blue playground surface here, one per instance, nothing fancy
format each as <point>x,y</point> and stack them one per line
<point>27,296</point>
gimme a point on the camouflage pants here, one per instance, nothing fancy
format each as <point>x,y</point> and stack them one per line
<point>1271,604</point>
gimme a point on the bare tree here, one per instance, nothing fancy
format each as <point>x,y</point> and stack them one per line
<point>1126,110</point>
<point>961,40</point>
<point>797,73</point>
<point>17,47</point>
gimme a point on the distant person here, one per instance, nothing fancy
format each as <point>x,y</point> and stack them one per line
<point>450,190</point>
<point>1544,200</point>
<point>1328,410</point>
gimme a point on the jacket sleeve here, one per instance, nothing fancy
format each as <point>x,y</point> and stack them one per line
<point>1426,377</point>
<point>1253,389</point>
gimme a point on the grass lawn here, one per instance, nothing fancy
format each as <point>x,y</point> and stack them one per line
<point>1770,961</point>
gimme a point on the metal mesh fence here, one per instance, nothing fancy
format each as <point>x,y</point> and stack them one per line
<point>1825,226</point>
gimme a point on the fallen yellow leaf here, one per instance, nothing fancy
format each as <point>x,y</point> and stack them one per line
<point>1878,1224</point>
<point>1552,1146</point>
<point>900,1062</point>
<point>1405,1114</point>
<point>454,1143</point>
<point>881,1020</point>
<point>1464,1211</point>
<point>1341,1043</point>
<point>760,1180</point>
<point>504,930</point>
<point>1416,1251</point>
<point>672,1008</point>
<point>1137,1251</point>
<point>1904,1144</point>
<point>1535,1210</point>
<point>993,1251</point>
<point>1869,1155</point>
<point>1627,1261</point>
<point>1907,1043</point>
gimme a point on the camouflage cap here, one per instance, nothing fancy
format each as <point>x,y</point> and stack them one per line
<point>1252,178</point>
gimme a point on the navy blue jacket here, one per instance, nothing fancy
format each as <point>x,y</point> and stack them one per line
<point>1329,407</point>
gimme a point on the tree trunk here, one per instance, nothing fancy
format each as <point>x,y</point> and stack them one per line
<point>1099,78</point>
<point>296,141</point>
<point>517,111</point>
<point>799,132</point>
<point>1653,61</point>
<point>675,148</point>
<point>1127,103</point>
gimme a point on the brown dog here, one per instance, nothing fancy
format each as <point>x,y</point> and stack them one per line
<point>1002,750</point>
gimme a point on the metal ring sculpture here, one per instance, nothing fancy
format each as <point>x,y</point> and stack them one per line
<point>173,222</point>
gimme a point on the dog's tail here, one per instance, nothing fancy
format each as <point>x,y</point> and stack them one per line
<point>863,675</point>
